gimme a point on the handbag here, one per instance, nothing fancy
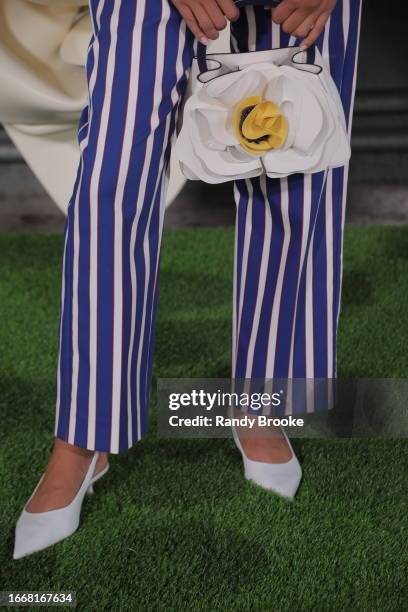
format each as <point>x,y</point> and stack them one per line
<point>275,112</point>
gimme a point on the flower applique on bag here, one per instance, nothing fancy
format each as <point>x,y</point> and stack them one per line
<point>276,112</point>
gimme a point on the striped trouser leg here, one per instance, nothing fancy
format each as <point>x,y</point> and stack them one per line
<point>289,233</point>
<point>136,69</point>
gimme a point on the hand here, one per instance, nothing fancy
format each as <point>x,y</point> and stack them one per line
<point>206,17</point>
<point>304,18</point>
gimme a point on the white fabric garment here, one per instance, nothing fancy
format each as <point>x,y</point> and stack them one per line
<point>43,46</point>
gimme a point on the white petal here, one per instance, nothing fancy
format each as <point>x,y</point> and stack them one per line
<point>197,161</point>
<point>239,154</point>
<point>309,125</point>
<point>212,127</point>
<point>236,86</point>
<point>223,163</point>
<point>281,89</point>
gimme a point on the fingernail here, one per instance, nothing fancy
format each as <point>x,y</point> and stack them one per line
<point>303,47</point>
<point>204,40</point>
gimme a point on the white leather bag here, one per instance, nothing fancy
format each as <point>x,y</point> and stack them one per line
<point>276,112</point>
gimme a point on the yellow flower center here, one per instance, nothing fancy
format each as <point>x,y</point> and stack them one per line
<point>259,125</point>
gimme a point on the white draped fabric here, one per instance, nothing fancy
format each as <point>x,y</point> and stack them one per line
<point>43,46</point>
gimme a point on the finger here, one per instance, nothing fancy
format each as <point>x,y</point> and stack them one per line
<point>283,11</point>
<point>229,9</point>
<point>216,15</point>
<point>308,24</point>
<point>193,25</point>
<point>315,31</point>
<point>205,22</point>
<point>294,20</point>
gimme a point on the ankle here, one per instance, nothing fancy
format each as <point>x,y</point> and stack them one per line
<point>74,460</point>
<point>62,447</point>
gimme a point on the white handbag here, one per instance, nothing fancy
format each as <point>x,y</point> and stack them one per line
<point>276,112</point>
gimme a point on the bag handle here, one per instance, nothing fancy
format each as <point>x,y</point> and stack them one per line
<point>202,49</point>
<point>241,3</point>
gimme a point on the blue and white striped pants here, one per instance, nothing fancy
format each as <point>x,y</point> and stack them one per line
<point>289,232</point>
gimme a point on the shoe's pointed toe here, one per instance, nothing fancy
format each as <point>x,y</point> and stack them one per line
<point>281,478</point>
<point>31,534</point>
<point>37,531</point>
<point>22,546</point>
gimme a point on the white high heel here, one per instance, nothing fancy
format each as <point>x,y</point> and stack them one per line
<point>282,478</point>
<point>38,530</point>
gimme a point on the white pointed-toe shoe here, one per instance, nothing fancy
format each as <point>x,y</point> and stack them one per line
<point>282,478</point>
<point>38,530</point>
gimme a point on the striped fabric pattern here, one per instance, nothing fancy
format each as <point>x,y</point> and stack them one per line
<point>288,238</point>
<point>289,233</point>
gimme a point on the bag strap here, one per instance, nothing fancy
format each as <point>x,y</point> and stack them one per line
<point>241,3</point>
<point>202,49</point>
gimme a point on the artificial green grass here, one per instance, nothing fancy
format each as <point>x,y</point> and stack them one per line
<point>174,526</point>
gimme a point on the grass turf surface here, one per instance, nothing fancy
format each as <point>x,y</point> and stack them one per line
<point>174,526</point>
